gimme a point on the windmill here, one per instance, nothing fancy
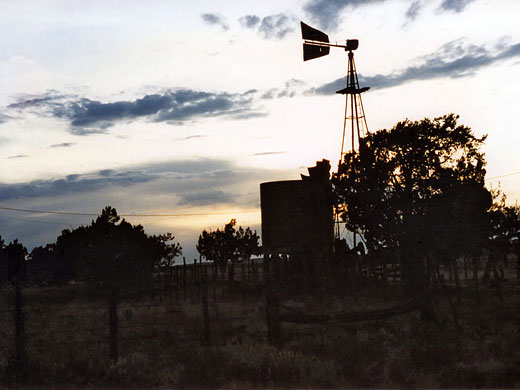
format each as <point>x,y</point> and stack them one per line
<point>316,44</point>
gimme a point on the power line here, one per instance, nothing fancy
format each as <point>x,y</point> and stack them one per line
<point>508,174</point>
<point>33,220</point>
<point>126,215</point>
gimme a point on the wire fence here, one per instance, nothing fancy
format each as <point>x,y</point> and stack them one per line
<point>189,305</point>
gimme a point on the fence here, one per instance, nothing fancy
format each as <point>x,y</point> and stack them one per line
<point>191,304</point>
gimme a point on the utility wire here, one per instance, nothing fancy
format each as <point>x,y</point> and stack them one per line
<point>508,174</point>
<point>126,215</point>
<point>33,220</point>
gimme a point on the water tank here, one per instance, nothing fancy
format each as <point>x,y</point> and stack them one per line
<point>297,216</point>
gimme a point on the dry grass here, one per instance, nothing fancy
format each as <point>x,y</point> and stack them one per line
<point>161,343</point>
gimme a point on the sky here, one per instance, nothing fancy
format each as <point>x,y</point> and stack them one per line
<point>180,109</point>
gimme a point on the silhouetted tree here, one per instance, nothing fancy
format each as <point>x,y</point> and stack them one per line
<point>13,261</point>
<point>228,244</point>
<point>418,188</point>
<point>42,267</point>
<point>109,250</point>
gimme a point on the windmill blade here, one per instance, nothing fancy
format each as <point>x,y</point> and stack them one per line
<point>312,51</point>
<point>312,34</point>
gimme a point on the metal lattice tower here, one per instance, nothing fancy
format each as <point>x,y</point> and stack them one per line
<point>316,44</point>
<point>354,111</point>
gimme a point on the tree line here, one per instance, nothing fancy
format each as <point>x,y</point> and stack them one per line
<point>110,250</point>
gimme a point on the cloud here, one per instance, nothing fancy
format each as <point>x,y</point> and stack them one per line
<point>63,145</point>
<point>267,153</point>
<point>249,21</point>
<point>454,59</point>
<point>88,116</point>
<point>327,13</point>
<point>18,156</point>
<point>454,5</point>
<point>269,27</point>
<point>276,26</point>
<point>71,184</point>
<point>209,197</point>
<point>215,19</point>
<point>4,118</point>
<point>413,10</point>
<point>173,187</point>
<point>189,179</point>
<point>191,137</point>
<point>291,88</point>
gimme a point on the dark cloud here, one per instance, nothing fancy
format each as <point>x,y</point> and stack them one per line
<point>88,116</point>
<point>249,115</point>
<point>269,27</point>
<point>454,5</point>
<point>455,59</point>
<point>106,172</point>
<point>214,19</point>
<point>71,184</point>
<point>4,118</point>
<point>276,26</point>
<point>413,10</point>
<point>327,13</point>
<point>249,21</point>
<point>209,197</point>
<point>175,187</point>
<point>63,145</point>
<point>186,178</point>
<point>291,88</point>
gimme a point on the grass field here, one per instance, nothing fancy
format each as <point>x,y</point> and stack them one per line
<point>161,342</point>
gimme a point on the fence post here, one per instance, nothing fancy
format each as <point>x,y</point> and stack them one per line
<point>113,322</point>
<point>205,314</point>
<point>214,282</point>
<point>194,271</point>
<point>184,277</point>
<point>177,283</point>
<point>272,302</point>
<point>19,363</point>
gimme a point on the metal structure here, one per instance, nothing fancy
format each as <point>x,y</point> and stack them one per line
<point>316,44</point>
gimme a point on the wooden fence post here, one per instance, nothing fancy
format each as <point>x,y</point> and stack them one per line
<point>214,276</point>
<point>184,278</point>
<point>272,298</point>
<point>177,283</point>
<point>205,314</point>
<point>255,274</point>
<point>19,363</point>
<point>113,322</point>
<point>194,271</point>
<point>199,278</point>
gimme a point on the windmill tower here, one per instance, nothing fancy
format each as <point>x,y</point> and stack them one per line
<point>316,44</point>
